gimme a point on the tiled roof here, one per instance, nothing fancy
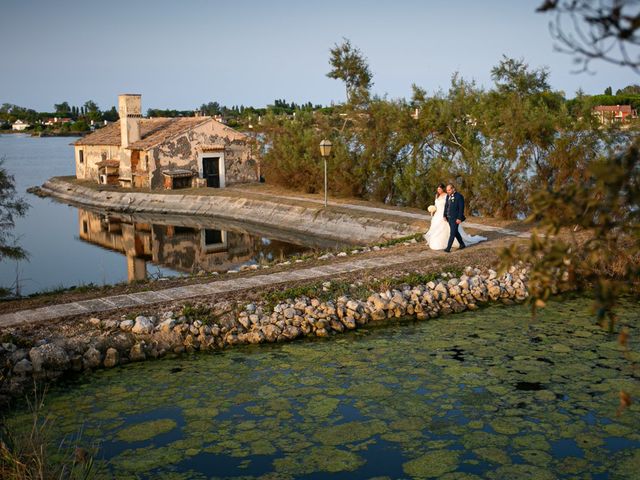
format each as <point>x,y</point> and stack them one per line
<point>613,108</point>
<point>152,131</point>
<point>170,127</point>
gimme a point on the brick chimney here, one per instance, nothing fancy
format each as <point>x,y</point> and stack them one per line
<point>130,110</point>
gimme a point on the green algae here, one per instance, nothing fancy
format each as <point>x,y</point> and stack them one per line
<point>432,464</point>
<point>146,430</point>
<point>349,432</point>
<point>319,459</point>
<point>493,455</point>
<point>505,426</point>
<point>310,407</point>
<point>535,457</point>
<point>521,472</point>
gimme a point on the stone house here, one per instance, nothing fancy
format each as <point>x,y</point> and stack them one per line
<point>164,153</point>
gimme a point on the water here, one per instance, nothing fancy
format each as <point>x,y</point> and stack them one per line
<point>486,394</point>
<point>68,246</point>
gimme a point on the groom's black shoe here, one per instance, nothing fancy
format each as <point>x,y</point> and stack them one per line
<point>447,250</point>
<point>462,247</point>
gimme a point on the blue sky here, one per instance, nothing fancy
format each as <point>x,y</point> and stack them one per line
<point>179,54</point>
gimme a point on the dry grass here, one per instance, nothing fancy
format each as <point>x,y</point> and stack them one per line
<point>30,454</point>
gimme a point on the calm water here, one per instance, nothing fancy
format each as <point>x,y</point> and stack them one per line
<point>68,246</point>
<point>485,394</point>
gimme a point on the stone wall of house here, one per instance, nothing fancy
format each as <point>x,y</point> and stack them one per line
<point>92,154</point>
<point>185,150</point>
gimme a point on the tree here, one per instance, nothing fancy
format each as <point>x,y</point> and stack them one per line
<point>111,115</point>
<point>10,208</point>
<point>608,91</point>
<point>603,203</point>
<point>211,109</point>
<point>92,111</point>
<point>62,108</point>
<point>349,65</point>
<point>513,75</point>
<point>607,30</point>
<point>629,90</point>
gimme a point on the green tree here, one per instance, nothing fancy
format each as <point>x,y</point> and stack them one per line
<point>608,91</point>
<point>515,76</point>
<point>92,111</point>
<point>111,115</point>
<point>79,126</point>
<point>629,90</point>
<point>211,108</point>
<point>589,223</point>
<point>10,207</point>
<point>62,108</point>
<point>349,65</point>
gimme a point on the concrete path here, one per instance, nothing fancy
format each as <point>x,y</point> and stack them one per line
<point>143,299</point>
<point>388,211</point>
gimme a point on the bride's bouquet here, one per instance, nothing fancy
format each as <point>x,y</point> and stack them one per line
<point>431,209</point>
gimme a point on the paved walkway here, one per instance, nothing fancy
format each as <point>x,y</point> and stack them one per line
<point>142,299</point>
<point>389,211</point>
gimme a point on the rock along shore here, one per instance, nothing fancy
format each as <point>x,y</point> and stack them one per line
<point>108,343</point>
<point>309,220</point>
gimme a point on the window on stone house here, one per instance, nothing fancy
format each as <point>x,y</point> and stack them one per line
<point>81,156</point>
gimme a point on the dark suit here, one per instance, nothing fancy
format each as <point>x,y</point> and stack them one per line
<point>454,210</point>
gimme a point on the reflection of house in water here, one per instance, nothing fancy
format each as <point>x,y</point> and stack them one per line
<point>180,248</point>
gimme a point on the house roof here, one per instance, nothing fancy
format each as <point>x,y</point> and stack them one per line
<point>613,108</point>
<point>152,131</point>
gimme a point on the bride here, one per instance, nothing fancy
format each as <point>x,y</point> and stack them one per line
<point>438,234</point>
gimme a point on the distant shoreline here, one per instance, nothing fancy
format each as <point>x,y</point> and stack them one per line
<point>44,134</point>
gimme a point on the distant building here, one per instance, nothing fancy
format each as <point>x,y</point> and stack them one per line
<point>19,125</point>
<point>56,121</point>
<point>165,153</point>
<point>608,114</point>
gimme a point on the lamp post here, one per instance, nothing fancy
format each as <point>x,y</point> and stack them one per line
<point>252,140</point>
<point>325,151</point>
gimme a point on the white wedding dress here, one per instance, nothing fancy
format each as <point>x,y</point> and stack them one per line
<point>438,235</point>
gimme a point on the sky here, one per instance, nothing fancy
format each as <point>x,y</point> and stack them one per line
<point>180,54</point>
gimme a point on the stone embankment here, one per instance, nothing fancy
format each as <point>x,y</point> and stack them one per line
<point>311,219</point>
<point>107,343</point>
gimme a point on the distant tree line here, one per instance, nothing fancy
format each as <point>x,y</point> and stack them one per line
<point>80,117</point>
<point>238,115</point>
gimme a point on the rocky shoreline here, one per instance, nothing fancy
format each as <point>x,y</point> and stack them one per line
<point>108,343</point>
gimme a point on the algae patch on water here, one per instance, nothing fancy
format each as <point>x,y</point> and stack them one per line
<point>146,430</point>
<point>486,394</point>
<point>432,464</point>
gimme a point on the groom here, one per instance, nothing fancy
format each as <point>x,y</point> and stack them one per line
<point>454,214</point>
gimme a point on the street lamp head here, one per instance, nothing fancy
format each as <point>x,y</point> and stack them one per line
<point>325,148</point>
